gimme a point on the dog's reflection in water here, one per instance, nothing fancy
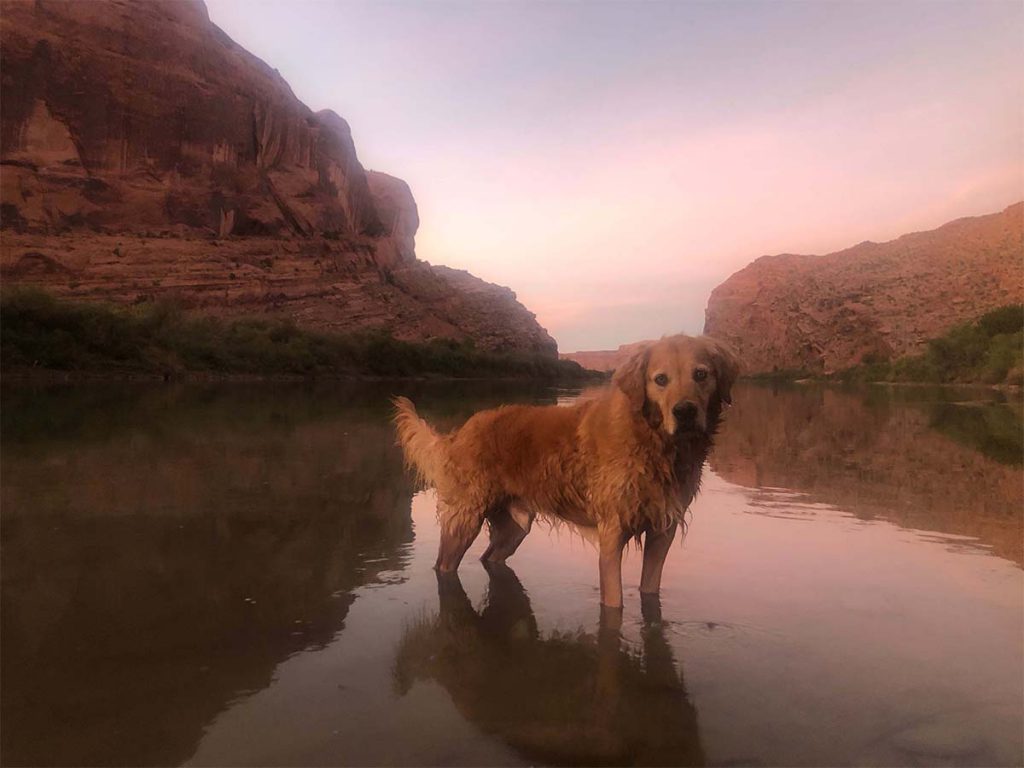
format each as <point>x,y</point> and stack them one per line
<point>564,698</point>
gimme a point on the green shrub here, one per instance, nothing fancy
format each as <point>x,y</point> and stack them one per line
<point>989,350</point>
<point>1005,352</point>
<point>962,349</point>
<point>1008,320</point>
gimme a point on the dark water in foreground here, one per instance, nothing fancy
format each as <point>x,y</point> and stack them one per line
<point>240,575</point>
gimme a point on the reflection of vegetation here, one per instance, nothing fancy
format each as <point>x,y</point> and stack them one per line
<point>160,338</point>
<point>918,456</point>
<point>989,350</point>
<point>994,430</point>
<point>568,698</point>
<point>90,411</point>
<point>781,375</point>
<point>166,547</point>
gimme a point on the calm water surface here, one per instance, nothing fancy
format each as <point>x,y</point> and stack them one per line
<point>241,575</point>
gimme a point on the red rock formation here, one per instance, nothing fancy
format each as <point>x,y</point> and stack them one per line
<point>134,133</point>
<point>603,359</point>
<point>827,313</point>
<point>144,115</point>
<point>399,218</point>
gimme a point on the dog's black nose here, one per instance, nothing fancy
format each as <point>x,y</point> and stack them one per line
<point>685,412</point>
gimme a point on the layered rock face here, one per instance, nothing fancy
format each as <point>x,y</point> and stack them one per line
<point>145,116</point>
<point>825,313</point>
<point>145,152</point>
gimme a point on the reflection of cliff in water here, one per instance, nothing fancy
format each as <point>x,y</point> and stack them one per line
<point>905,455</point>
<point>165,549</point>
<point>562,699</point>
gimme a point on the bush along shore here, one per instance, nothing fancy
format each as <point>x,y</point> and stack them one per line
<point>989,350</point>
<point>39,332</point>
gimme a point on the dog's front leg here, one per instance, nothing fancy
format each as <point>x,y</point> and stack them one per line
<point>611,540</point>
<point>656,547</point>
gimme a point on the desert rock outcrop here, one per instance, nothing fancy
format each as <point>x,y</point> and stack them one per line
<point>821,314</point>
<point>145,153</point>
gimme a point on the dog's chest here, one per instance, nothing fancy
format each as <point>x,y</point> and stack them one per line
<point>672,493</point>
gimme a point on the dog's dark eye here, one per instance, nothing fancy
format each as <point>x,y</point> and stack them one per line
<point>661,379</point>
<point>699,374</point>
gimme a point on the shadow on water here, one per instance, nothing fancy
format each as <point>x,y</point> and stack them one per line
<point>562,699</point>
<point>946,460</point>
<point>164,549</point>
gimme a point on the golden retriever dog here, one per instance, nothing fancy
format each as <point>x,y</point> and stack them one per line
<point>627,462</point>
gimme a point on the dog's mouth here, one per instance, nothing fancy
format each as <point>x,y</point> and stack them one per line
<point>688,431</point>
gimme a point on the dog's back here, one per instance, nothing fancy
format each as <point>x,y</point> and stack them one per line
<point>518,448</point>
<point>515,451</point>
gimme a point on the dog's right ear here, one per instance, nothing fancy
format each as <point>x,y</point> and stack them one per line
<point>631,377</point>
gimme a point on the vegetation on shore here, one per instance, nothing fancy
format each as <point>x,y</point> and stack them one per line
<point>988,351</point>
<point>39,331</point>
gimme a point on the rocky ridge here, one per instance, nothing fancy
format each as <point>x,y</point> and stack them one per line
<point>145,154</point>
<point>820,314</point>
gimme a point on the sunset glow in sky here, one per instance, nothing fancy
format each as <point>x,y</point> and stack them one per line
<point>612,162</point>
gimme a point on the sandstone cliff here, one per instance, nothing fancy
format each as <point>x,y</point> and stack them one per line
<point>144,153</point>
<point>825,313</point>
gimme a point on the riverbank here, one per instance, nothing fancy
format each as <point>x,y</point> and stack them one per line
<point>43,338</point>
<point>986,352</point>
<point>18,375</point>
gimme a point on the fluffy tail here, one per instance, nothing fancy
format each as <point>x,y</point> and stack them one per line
<point>425,450</point>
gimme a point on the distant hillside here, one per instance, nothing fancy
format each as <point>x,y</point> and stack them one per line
<point>602,360</point>
<point>871,302</point>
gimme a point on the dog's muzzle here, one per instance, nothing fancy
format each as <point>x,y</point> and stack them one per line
<point>686,417</point>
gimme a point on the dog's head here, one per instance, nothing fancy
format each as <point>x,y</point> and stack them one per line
<point>680,384</point>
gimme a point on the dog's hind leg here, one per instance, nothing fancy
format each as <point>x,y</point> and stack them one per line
<point>656,547</point>
<point>458,531</point>
<point>509,526</point>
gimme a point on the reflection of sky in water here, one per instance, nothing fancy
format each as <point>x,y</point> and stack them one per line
<point>810,616</point>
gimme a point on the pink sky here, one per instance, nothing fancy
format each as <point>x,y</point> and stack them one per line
<point>613,162</point>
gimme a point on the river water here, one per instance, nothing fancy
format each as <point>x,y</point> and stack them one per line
<point>240,574</point>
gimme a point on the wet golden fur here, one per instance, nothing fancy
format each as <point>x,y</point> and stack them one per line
<point>623,462</point>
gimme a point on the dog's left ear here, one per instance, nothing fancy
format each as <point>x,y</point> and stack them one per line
<point>727,367</point>
<point>631,377</point>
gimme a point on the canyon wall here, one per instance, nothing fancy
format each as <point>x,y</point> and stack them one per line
<point>145,154</point>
